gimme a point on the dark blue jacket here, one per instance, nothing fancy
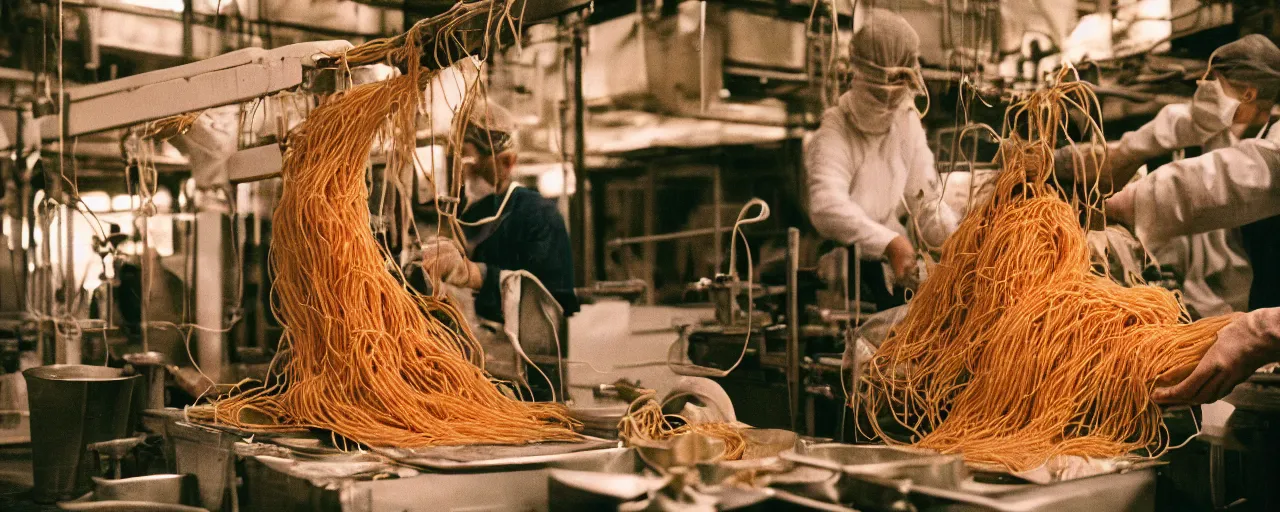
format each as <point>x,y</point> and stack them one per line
<point>530,235</point>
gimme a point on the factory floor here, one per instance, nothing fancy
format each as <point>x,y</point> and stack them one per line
<point>15,480</point>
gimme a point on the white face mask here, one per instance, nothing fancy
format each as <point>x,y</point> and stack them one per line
<point>1211,109</point>
<point>871,107</point>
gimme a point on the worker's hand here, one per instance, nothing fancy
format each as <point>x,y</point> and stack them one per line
<point>902,259</point>
<point>1081,163</point>
<point>1120,208</point>
<point>1237,353</point>
<point>443,258</point>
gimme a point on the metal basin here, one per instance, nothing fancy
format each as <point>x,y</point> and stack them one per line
<point>680,451</point>
<point>767,442</point>
<point>169,489</point>
<point>154,493</point>
<point>73,406</point>
<point>588,490</point>
<point>884,462</point>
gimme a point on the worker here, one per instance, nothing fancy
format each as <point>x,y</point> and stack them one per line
<point>1226,188</point>
<point>869,164</point>
<point>507,227</point>
<point>1233,104</point>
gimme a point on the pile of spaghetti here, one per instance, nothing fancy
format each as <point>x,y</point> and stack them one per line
<point>645,421</point>
<point>368,359</point>
<point>1014,351</point>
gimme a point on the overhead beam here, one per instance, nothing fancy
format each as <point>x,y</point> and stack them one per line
<point>227,79</point>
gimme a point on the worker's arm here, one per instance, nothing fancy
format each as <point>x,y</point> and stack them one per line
<point>1225,188</point>
<point>1244,345</point>
<point>933,219</point>
<point>1173,128</point>
<point>830,170</point>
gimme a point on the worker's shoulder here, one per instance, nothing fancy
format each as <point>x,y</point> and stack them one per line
<point>529,201</point>
<point>833,118</point>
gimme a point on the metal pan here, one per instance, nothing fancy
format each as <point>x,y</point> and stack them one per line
<point>885,462</point>
<point>491,458</point>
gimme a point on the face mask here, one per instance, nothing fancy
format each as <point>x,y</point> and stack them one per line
<point>476,189</point>
<point>871,107</point>
<point>1212,110</point>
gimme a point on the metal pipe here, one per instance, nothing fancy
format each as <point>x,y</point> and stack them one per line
<point>702,56</point>
<point>209,290</point>
<point>579,221</point>
<point>717,201</point>
<point>188,29</point>
<point>25,217</point>
<point>69,296</point>
<point>793,324</point>
<point>650,252</point>
<point>857,281</point>
<point>677,235</point>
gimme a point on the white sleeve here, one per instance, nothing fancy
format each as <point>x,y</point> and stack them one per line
<point>1173,128</point>
<point>928,212</point>
<point>1225,188</point>
<point>829,173</point>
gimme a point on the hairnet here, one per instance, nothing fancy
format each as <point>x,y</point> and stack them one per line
<point>886,49</point>
<point>491,127</point>
<point>1253,60</point>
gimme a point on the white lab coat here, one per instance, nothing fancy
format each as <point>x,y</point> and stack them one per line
<point>1225,188</point>
<point>860,185</point>
<point>1216,270</point>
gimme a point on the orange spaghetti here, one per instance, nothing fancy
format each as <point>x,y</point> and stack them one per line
<point>367,359</point>
<point>1013,350</point>
<point>648,423</point>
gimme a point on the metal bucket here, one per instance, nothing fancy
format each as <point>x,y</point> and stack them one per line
<point>71,407</point>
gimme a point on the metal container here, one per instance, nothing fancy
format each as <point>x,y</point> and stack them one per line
<point>151,366</point>
<point>923,469</point>
<point>71,407</point>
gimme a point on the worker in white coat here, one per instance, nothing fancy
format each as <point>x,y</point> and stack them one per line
<point>868,166</point>
<point>1223,189</point>
<point>1232,104</point>
<point>1232,187</point>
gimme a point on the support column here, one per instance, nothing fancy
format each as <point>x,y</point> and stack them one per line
<point>208,286</point>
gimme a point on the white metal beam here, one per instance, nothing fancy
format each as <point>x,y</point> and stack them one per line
<point>231,78</point>
<point>255,164</point>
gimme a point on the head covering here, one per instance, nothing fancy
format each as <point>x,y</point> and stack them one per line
<point>1252,60</point>
<point>886,71</point>
<point>491,127</point>
<point>886,49</point>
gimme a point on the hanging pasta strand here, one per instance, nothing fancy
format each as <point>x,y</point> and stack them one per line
<point>363,356</point>
<point>1014,351</point>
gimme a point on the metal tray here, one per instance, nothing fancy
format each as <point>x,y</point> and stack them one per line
<point>492,457</point>
<point>882,477</point>
<point>885,462</point>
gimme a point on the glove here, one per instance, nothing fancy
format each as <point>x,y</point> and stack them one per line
<point>1244,345</point>
<point>443,259</point>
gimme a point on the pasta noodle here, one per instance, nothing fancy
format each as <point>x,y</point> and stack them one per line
<point>647,422</point>
<point>368,359</point>
<point>1014,351</point>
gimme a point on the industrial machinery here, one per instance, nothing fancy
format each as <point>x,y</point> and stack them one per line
<point>790,371</point>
